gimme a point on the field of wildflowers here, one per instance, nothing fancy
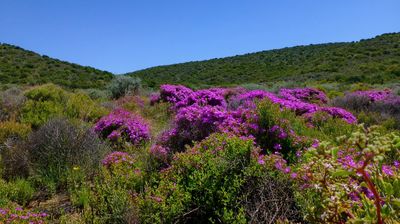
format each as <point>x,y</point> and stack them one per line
<point>216,155</point>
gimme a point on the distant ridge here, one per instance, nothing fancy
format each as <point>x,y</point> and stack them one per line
<point>20,66</point>
<point>375,60</point>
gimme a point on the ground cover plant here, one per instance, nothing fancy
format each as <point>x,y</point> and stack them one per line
<point>214,155</point>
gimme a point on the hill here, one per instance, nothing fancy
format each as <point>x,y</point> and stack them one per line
<point>375,60</point>
<point>19,66</point>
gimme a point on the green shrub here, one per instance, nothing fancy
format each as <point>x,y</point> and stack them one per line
<point>44,102</point>
<point>50,101</point>
<point>122,85</point>
<point>20,191</point>
<point>13,129</point>
<point>3,193</point>
<point>80,106</point>
<point>110,200</point>
<point>202,185</point>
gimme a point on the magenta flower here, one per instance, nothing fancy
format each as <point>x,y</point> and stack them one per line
<point>121,124</point>
<point>388,170</point>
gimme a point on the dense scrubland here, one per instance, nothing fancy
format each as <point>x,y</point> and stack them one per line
<point>124,154</point>
<point>315,139</point>
<point>372,61</point>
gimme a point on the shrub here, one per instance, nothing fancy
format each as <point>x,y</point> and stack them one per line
<point>11,102</point>
<point>110,197</point>
<point>123,126</point>
<point>122,85</point>
<point>269,198</point>
<point>202,185</point>
<point>12,129</point>
<point>44,102</point>
<point>49,101</point>
<point>308,95</point>
<point>97,94</point>
<point>58,146</point>
<point>20,191</point>
<point>80,106</point>
<point>193,123</point>
<point>14,159</point>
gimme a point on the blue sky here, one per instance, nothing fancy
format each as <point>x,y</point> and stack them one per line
<point>123,36</point>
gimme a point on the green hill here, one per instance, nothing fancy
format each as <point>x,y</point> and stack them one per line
<point>375,60</point>
<point>19,66</point>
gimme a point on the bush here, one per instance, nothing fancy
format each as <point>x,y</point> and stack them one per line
<point>122,126</point>
<point>50,101</point>
<point>110,198</point>
<point>203,184</point>
<point>269,198</point>
<point>11,102</point>
<point>14,159</point>
<point>12,129</point>
<point>80,106</point>
<point>44,102</point>
<point>97,94</point>
<point>122,85</point>
<point>58,146</point>
<point>20,191</point>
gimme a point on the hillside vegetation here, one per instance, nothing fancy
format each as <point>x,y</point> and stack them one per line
<point>373,60</point>
<point>19,66</point>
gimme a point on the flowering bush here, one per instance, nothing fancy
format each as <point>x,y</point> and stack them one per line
<point>121,125</point>
<point>308,95</point>
<point>193,123</point>
<point>19,215</point>
<point>374,95</point>
<point>203,98</point>
<point>174,93</point>
<point>115,158</point>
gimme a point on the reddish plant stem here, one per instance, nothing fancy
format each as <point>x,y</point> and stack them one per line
<point>372,188</point>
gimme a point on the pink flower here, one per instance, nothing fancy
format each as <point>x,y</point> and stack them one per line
<point>388,170</point>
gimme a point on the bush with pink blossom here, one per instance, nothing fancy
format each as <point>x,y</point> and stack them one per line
<point>121,125</point>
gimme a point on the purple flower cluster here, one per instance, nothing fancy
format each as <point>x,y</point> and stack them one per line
<point>121,124</point>
<point>374,95</point>
<point>308,95</point>
<point>231,110</point>
<point>18,215</point>
<point>117,158</point>
<point>202,98</point>
<point>174,93</point>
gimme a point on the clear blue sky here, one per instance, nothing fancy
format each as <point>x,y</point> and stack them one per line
<point>122,36</point>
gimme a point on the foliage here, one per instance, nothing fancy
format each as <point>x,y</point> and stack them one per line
<point>202,184</point>
<point>20,66</point>
<point>20,191</point>
<point>10,129</point>
<point>122,85</point>
<point>50,101</point>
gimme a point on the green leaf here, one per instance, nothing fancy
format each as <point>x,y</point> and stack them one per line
<point>341,173</point>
